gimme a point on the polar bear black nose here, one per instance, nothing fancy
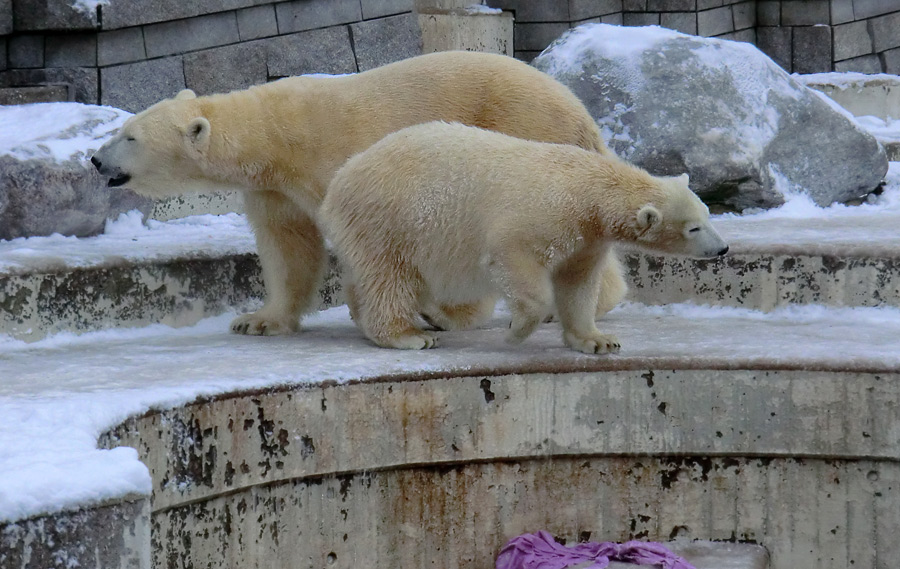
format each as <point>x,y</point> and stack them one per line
<point>723,251</point>
<point>95,162</point>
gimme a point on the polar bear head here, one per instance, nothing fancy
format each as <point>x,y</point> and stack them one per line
<point>159,152</point>
<point>677,222</point>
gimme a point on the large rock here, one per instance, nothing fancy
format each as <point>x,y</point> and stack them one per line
<point>47,184</point>
<point>722,111</point>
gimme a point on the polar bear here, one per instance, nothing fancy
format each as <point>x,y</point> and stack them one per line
<point>282,142</point>
<point>444,213</point>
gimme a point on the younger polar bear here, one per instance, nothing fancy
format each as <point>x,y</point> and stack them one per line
<point>446,213</point>
<point>281,143</point>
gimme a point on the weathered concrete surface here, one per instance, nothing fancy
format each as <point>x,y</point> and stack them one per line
<point>877,96</point>
<point>197,204</point>
<point>179,292</point>
<point>115,536</point>
<point>471,32</point>
<point>443,471</point>
<point>764,282</point>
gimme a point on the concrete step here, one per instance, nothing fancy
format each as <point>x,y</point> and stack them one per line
<point>710,424</point>
<point>141,277</point>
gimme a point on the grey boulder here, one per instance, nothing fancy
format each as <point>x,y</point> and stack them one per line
<point>745,131</point>
<point>47,184</point>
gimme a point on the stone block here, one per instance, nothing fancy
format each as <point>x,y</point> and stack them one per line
<point>385,40</point>
<point>812,49</point>
<point>315,51</point>
<point>41,15</point>
<point>841,11</point>
<point>744,15</point>
<point>380,8</point>
<point>634,5</point>
<point>852,40</point>
<point>805,12</point>
<point>488,33</point>
<point>225,69</point>
<point>886,31</point>
<point>542,11</point>
<point>526,56</point>
<point>616,19</point>
<point>71,50</point>
<point>6,18</point>
<point>535,37</point>
<point>301,15</point>
<point>257,22</point>
<point>584,9</point>
<point>685,22</point>
<point>776,43</point>
<point>715,22</point>
<point>120,46</point>
<point>29,95</point>
<point>81,81</point>
<point>640,19</point>
<point>192,34</point>
<point>747,36</point>
<point>671,5</point>
<point>870,8</point>
<point>136,12</point>
<point>707,4</point>
<point>26,51</point>
<point>865,64</point>
<point>768,13</point>
<point>136,86</point>
<point>891,61</point>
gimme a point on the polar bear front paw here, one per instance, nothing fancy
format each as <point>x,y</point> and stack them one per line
<point>256,324</point>
<point>412,341</point>
<point>593,344</point>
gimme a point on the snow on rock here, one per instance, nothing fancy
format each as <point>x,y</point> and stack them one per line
<point>720,110</point>
<point>60,394</point>
<point>47,184</point>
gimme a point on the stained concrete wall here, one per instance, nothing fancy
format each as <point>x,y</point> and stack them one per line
<point>441,472</point>
<point>113,536</point>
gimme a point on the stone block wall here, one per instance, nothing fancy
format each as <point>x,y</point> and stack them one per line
<point>803,36</point>
<point>540,22</point>
<point>812,36</point>
<point>130,53</point>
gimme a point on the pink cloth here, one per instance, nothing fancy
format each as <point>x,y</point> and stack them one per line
<point>540,551</point>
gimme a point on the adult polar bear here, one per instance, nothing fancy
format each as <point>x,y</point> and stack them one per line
<point>282,142</point>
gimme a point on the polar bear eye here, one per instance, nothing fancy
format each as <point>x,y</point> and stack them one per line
<point>693,230</point>
<point>130,139</point>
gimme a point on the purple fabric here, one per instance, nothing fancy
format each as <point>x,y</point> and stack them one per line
<point>540,551</point>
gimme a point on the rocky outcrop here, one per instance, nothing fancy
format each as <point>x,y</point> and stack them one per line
<point>46,183</point>
<point>722,111</point>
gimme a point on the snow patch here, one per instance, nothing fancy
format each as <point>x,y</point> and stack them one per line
<point>57,131</point>
<point>89,7</point>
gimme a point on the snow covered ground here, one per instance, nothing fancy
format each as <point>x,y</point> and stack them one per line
<point>59,394</point>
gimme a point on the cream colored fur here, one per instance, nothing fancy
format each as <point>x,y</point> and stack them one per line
<point>445,214</point>
<point>281,143</point>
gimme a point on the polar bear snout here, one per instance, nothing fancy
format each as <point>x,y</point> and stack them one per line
<point>116,176</point>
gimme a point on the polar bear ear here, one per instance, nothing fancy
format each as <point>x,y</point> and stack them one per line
<point>197,134</point>
<point>648,217</point>
<point>185,94</point>
<point>684,178</point>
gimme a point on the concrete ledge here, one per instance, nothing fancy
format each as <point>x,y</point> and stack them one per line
<point>413,472</point>
<point>113,536</point>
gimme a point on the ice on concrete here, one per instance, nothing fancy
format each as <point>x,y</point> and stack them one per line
<point>58,395</point>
